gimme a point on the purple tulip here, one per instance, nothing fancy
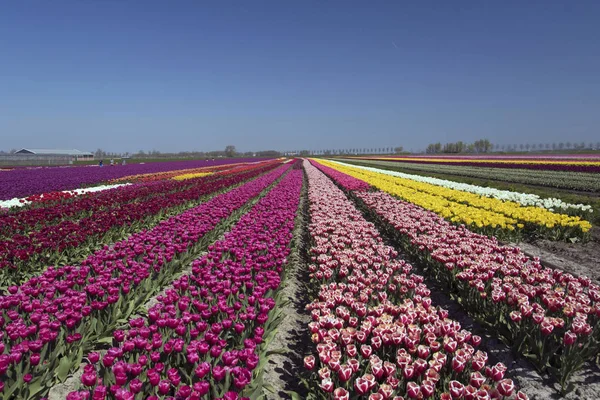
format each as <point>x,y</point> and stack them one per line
<point>164,387</point>
<point>99,393</point>
<point>135,386</point>
<point>21,182</point>
<point>93,357</point>
<point>207,293</point>
<point>202,387</point>
<point>89,378</point>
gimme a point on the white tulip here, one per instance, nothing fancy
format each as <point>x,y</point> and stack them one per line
<point>525,199</point>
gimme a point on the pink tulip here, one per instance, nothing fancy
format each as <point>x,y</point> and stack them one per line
<point>506,387</point>
<point>413,390</point>
<point>341,394</point>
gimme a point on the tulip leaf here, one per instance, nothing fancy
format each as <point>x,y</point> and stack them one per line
<point>79,357</point>
<point>8,392</point>
<point>106,339</point>
<point>257,386</point>
<point>63,369</point>
<point>293,395</point>
<point>35,387</point>
<point>269,387</point>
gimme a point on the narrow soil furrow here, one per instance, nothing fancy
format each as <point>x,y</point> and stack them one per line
<point>287,350</point>
<point>577,266</point>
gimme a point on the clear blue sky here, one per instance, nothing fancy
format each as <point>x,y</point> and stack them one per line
<point>126,75</point>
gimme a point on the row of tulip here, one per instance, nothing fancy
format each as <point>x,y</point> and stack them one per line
<point>191,175</point>
<point>25,255</point>
<point>51,212</point>
<point>54,196</point>
<point>573,165</point>
<point>23,182</point>
<point>583,181</point>
<point>159,176</point>
<point>524,199</point>
<point>547,314</point>
<point>202,339</point>
<point>49,323</point>
<point>376,332</point>
<point>37,216</point>
<point>488,215</point>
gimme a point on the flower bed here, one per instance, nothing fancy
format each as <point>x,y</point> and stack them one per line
<point>34,217</point>
<point>191,175</point>
<point>23,182</point>
<point>376,332</point>
<point>584,181</point>
<point>548,315</point>
<point>487,215</point>
<point>55,196</point>
<point>23,255</point>
<point>551,164</point>
<point>524,199</point>
<point>49,322</point>
<point>203,337</point>
<point>159,176</point>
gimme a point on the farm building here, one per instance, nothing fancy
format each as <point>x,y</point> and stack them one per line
<point>73,154</point>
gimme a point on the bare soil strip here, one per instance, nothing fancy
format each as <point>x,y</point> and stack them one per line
<point>289,346</point>
<point>566,257</point>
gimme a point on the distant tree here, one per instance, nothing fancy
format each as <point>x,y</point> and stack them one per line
<point>561,146</point>
<point>521,146</point>
<point>568,145</point>
<point>99,153</point>
<point>533,146</point>
<point>268,153</point>
<point>554,146</point>
<point>230,150</point>
<point>582,145</point>
<point>398,149</point>
<point>480,146</point>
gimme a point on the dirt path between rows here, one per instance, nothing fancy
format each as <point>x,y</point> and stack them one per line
<point>282,371</point>
<point>576,258</point>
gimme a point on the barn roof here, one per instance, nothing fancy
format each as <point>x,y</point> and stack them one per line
<point>72,152</point>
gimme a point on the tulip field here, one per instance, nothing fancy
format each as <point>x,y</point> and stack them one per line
<point>573,179</point>
<point>168,281</point>
<point>575,163</point>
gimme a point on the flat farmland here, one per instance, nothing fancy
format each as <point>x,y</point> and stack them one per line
<point>355,278</point>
